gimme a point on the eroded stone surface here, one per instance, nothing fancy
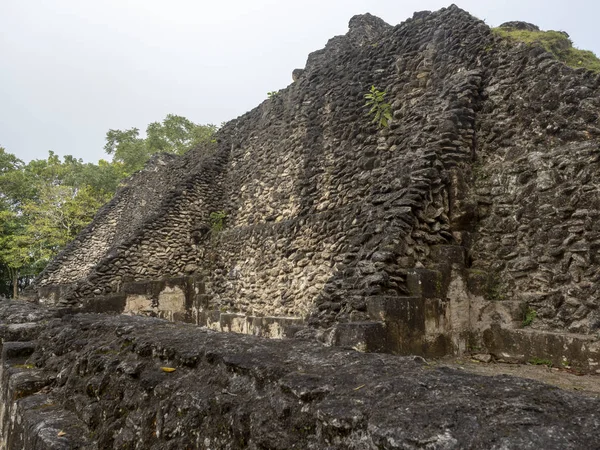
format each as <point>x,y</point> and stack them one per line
<point>235,391</point>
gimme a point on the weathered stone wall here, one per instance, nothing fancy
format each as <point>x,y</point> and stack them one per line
<point>537,185</point>
<point>97,382</point>
<point>167,243</point>
<point>491,156</point>
<point>324,207</point>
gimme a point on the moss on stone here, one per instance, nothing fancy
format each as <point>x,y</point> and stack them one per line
<point>555,42</point>
<point>24,366</point>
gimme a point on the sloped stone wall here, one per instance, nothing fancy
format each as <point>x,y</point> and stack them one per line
<point>133,204</point>
<point>167,243</point>
<point>327,209</point>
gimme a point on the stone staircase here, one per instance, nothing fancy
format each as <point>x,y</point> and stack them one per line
<point>417,324</point>
<point>183,299</point>
<point>450,309</point>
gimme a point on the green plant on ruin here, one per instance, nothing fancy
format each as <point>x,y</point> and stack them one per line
<point>380,110</point>
<point>529,317</point>
<point>272,94</point>
<point>555,42</point>
<point>495,288</point>
<point>217,221</point>
<point>540,362</point>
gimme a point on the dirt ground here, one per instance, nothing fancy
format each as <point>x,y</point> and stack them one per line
<point>563,378</point>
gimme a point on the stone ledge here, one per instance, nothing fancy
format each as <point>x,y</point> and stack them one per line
<point>264,326</point>
<point>524,345</point>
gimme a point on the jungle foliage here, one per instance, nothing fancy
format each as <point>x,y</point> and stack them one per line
<point>45,203</point>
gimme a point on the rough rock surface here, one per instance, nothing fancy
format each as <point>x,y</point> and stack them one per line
<point>98,381</point>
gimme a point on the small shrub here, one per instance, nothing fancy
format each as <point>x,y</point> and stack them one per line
<point>217,221</point>
<point>272,94</point>
<point>379,109</point>
<point>529,317</point>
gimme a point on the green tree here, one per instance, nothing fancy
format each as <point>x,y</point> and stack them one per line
<point>127,148</point>
<point>43,205</point>
<point>14,187</point>
<point>14,191</point>
<point>175,134</point>
<point>55,217</point>
<point>15,255</point>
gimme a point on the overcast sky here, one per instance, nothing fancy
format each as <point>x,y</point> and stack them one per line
<point>70,70</point>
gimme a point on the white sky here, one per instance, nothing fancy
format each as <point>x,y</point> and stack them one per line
<point>72,69</point>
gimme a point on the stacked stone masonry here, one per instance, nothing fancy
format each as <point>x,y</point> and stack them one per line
<point>478,204</point>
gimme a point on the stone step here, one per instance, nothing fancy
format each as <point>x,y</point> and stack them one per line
<point>367,336</point>
<point>448,254</point>
<point>17,351</point>
<point>414,312</point>
<point>433,281</point>
<point>37,422</point>
<point>20,331</point>
<point>526,345</point>
<point>409,310</point>
<point>25,380</point>
<point>275,327</point>
<point>28,417</point>
<point>426,283</point>
<point>113,303</point>
<point>413,325</point>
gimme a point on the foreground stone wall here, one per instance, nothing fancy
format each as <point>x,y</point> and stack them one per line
<point>474,209</point>
<point>95,381</point>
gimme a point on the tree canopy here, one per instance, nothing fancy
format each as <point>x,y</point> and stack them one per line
<point>45,203</point>
<point>175,134</point>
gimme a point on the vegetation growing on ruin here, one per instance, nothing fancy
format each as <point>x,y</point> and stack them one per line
<point>529,317</point>
<point>495,289</point>
<point>555,42</point>
<point>540,362</point>
<point>217,221</point>
<point>380,110</point>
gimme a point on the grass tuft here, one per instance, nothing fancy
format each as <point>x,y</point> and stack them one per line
<point>556,43</point>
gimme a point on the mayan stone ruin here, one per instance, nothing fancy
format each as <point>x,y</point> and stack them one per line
<point>308,260</point>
